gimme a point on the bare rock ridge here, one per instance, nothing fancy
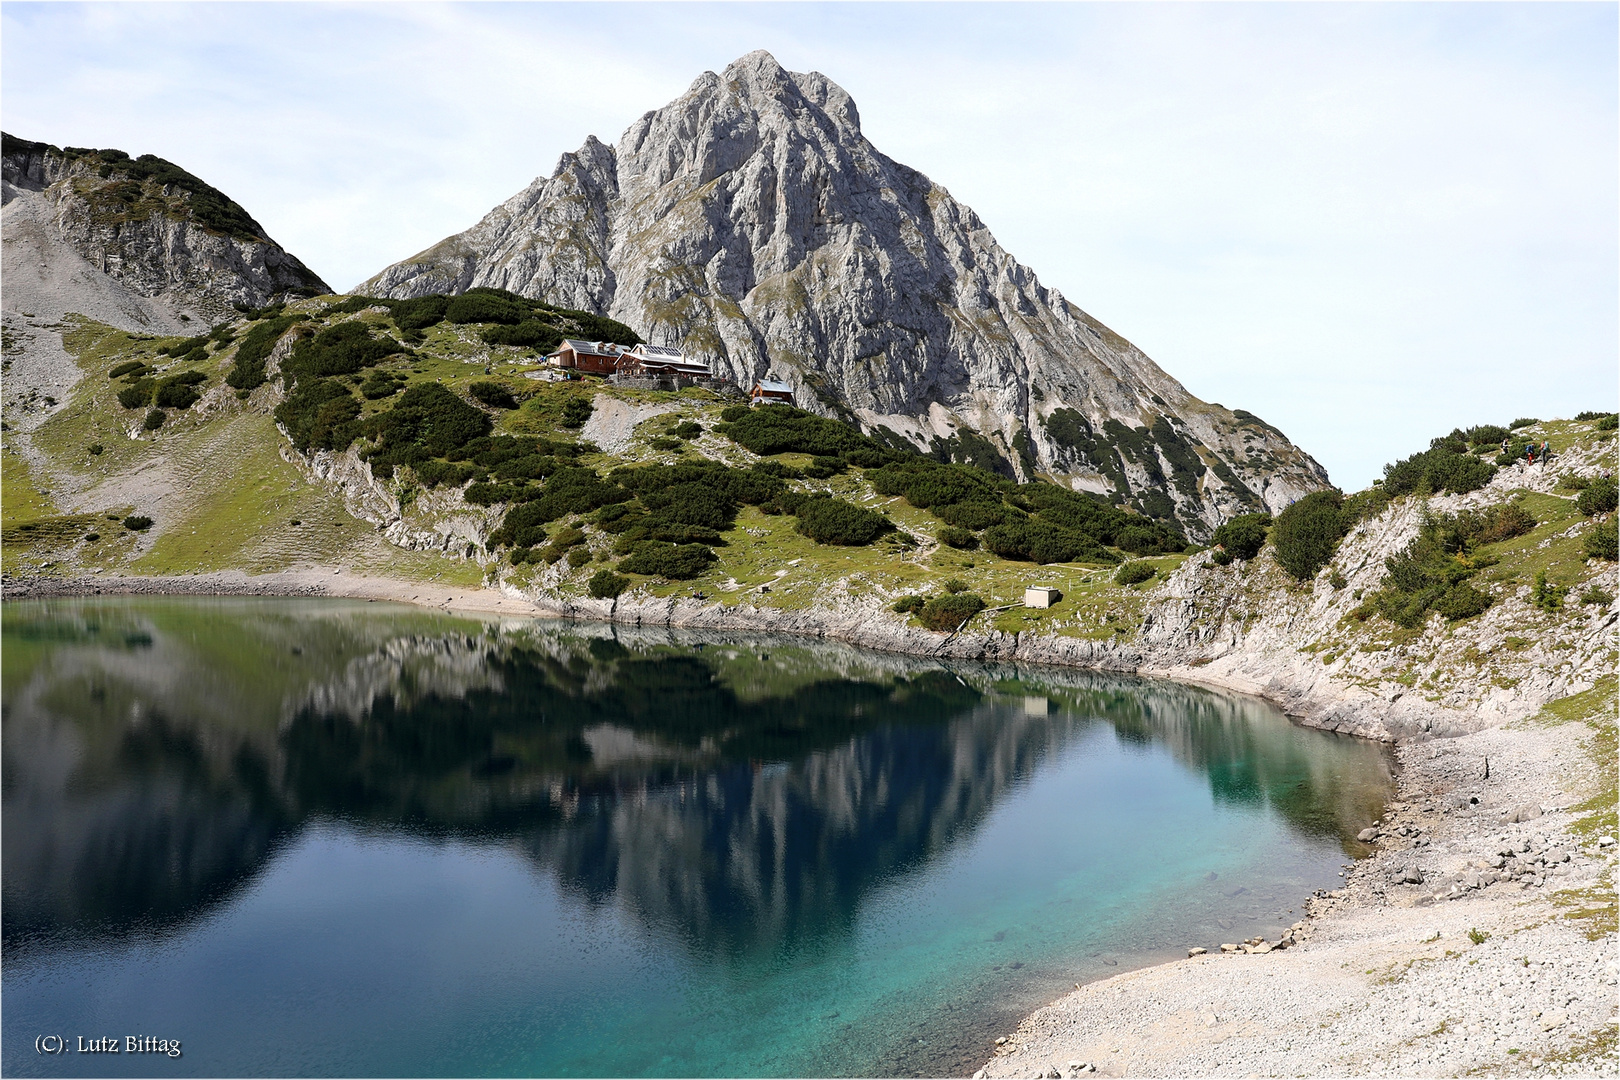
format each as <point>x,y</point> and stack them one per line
<point>751,222</point>
<point>133,242</point>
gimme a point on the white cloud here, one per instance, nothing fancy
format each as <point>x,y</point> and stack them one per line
<point>1365,223</point>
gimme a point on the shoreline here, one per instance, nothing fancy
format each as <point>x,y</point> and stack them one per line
<point>1332,708</point>
<point>1344,965</point>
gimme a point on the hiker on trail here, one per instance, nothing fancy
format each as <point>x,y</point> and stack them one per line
<point>1546,451</point>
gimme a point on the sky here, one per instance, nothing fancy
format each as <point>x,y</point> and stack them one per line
<point>1366,223</point>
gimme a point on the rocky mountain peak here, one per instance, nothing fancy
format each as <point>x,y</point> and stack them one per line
<point>752,224</point>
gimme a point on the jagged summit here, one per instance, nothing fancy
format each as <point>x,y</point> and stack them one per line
<point>752,223</point>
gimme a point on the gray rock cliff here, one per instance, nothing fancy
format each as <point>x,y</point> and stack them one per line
<point>751,223</point>
<point>162,242</point>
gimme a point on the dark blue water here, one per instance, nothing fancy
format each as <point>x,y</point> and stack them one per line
<point>327,838</point>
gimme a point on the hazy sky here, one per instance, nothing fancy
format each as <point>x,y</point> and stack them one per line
<point>1366,223</point>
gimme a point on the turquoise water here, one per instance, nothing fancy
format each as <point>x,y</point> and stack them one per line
<point>329,838</point>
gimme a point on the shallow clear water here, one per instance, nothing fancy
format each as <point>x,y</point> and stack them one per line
<point>331,838</point>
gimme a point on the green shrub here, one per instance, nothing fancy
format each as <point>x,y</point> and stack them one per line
<point>96,449</point>
<point>128,367</point>
<point>1523,422</point>
<point>179,391</point>
<point>686,429</point>
<point>154,420</point>
<point>1039,541</point>
<point>248,368</point>
<point>138,394</point>
<point>833,521</point>
<point>576,411</point>
<point>663,445</point>
<point>1598,498</point>
<point>1547,595</point>
<point>427,421</point>
<point>530,333</point>
<point>1445,466</point>
<point>951,611</point>
<point>777,429</point>
<point>907,604</point>
<point>419,313</point>
<point>579,556</point>
<point>1574,482</point>
<point>954,585</point>
<point>1485,435</point>
<point>605,584</point>
<point>1461,601</point>
<point>320,414</point>
<point>1307,533</point>
<point>1592,414</point>
<point>493,394</point>
<point>1220,557</point>
<point>487,306</point>
<point>1243,536</point>
<point>1608,423</point>
<point>962,539</point>
<point>1592,594</point>
<point>180,348</point>
<point>1601,540</point>
<point>1134,573</point>
<point>381,384</point>
<point>137,522</point>
<point>434,472</point>
<point>339,350</point>
<point>487,494</point>
<point>674,561</point>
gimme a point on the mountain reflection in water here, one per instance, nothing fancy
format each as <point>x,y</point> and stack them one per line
<point>741,793</point>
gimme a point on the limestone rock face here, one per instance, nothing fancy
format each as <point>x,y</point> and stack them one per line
<point>751,223</point>
<point>153,231</point>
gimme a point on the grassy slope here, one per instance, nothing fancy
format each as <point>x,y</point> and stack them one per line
<point>237,497</point>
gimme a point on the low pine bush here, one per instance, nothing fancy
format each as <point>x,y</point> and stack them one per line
<point>1597,498</point>
<point>950,611</point>
<point>1602,539</point>
<point>493,394</point>
<point>833,521</point>
<point>576,411</point>
<point>961,539</point>
<point>138,394</point>
<point>1134,572</point>
<point>678,562</point>
<point>907,604</point>
<point>605,584</point>
<point>154,420</point>
<point>1307,533</point>
<point>128,367</point>
<point>1243,536</point>
<point>1523,422</point>
<point>137,523</point>
<point>248,369</point>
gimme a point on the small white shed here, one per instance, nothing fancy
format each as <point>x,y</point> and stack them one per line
<point>1042,596</point>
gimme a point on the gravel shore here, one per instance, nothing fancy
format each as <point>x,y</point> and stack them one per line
<point>1488,964</point>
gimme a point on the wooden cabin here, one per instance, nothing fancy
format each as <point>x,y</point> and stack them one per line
<point>771,391</point>
<point>654,360</point>
<point>592,357</point>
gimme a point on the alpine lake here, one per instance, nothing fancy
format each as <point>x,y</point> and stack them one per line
<point>315,837</point>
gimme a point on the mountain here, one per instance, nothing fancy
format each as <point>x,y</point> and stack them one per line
<point>137,243</point>
<point>751,223</point>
